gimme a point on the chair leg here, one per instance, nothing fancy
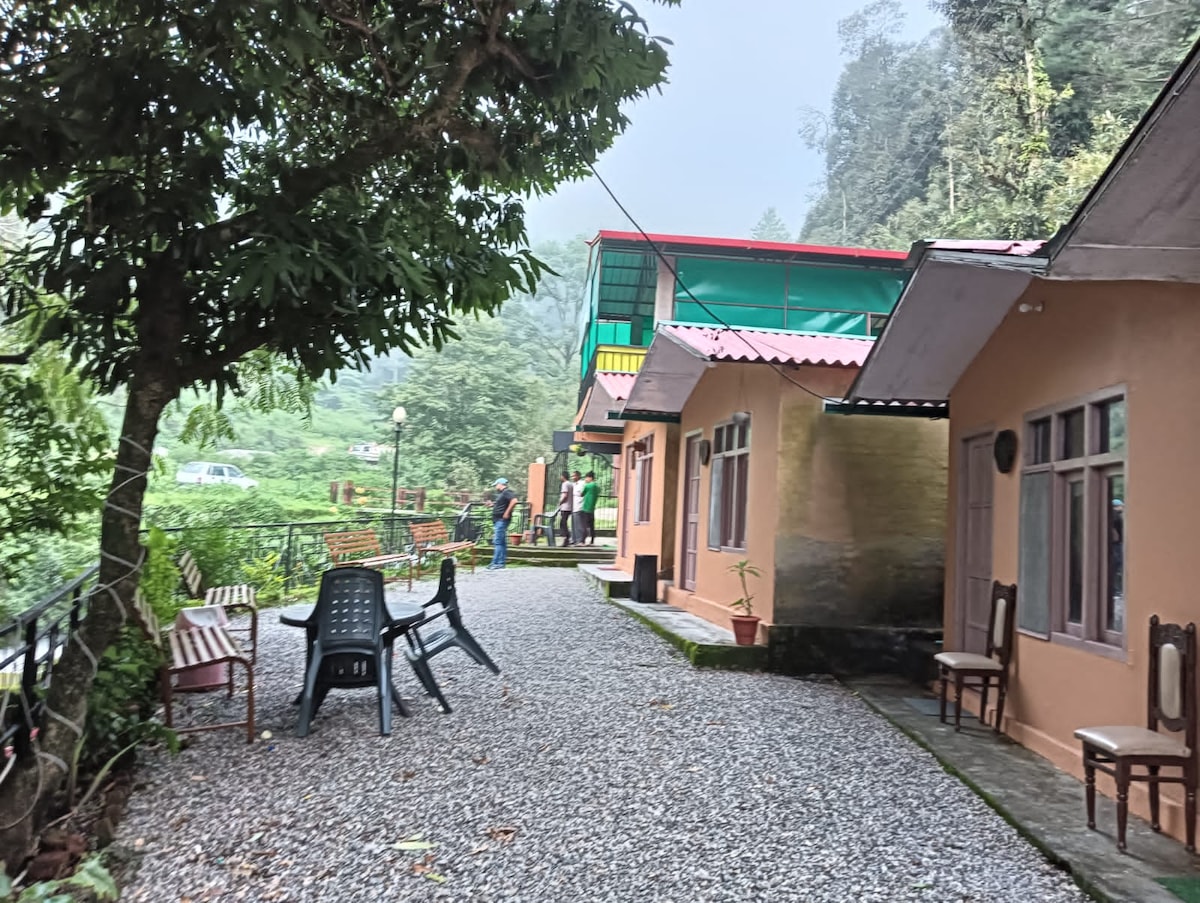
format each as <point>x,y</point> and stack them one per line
<point>1155,825</point>
<point>958,688</point>
<point>164,683</point>
<point>944,679</point>
<point>383,679</point>
<point>307,704</point>
<point>425,676</point>
<point>1089,788</point>
<point>249,700</point>
<point>1122,778</point>
<point>1189,804</point>
<point>468,645</point>
<point>983,699</point>
<point>1001,692</point>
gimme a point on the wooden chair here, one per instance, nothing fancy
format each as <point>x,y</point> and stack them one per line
<point>233,597</point>
<point>983,670</point>
<point>434,539</point>
<point>1117,749</point>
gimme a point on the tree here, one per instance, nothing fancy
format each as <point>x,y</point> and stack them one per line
<point>473,408</point>
<point>771,227</point>
<point>321,179</point>
<point>552,318</point>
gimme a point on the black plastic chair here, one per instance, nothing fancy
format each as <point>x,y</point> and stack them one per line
<point>350,643</point>
<point>424,641</point>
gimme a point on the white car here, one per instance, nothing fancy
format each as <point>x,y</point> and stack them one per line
<point>365,451</point>
<point>205,472</point>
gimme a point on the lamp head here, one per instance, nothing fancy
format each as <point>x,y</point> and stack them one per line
<point>398,416</point>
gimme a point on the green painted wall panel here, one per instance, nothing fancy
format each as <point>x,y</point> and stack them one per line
<point>734,315</point>
<point>831,288</point>
<point>732,281</point>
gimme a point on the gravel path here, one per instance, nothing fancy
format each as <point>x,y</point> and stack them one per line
<point>598,766</point>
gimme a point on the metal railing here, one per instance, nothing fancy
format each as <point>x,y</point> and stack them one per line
<point>29,646</point>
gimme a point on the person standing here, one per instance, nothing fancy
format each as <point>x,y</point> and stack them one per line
<point>590,493</point>
<point>566,496</point>
<point>502,509</point>
<point>576,506</point>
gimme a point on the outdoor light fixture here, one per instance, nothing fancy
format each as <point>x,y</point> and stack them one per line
<point>399,415</point>
<point>741,418</point>
<point>1025,307</point>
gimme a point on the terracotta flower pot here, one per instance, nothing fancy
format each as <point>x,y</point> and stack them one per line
<point>745,629</point>
<point>514,539</point>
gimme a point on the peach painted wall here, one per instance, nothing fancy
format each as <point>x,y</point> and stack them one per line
<point>722,390</point>
<point>1088,337</point>
<point>648,538</point>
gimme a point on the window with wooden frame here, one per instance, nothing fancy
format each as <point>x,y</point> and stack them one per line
<point>643,469</point>
<point>1072,522</point>
<point>730,484</point>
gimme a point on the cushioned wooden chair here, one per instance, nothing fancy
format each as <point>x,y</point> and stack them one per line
<point>1117,749</point>
<point>970,669</point>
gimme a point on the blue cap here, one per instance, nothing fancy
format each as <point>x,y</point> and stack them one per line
<point>500,481</point>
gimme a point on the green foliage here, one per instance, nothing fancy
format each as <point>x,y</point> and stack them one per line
<point>744,569</point>
<point>771,227</point>
<point>52,450</point>
<point>267,578</point>
<point>160,579</point>
<point>122,703</point>
<point>91,878</point>
<point>476,411</point>
<point>992,128</point>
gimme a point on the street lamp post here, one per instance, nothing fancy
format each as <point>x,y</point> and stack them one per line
<point>398,417</point>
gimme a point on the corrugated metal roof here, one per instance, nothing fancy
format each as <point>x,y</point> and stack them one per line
<point>617,385</point>
<point>763,346</point>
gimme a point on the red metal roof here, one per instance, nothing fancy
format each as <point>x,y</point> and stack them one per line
<point>746,244</point>
<point>617,385</point>
<point>759,346</point>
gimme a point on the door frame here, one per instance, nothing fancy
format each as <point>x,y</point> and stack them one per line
<point>962,481</point>
<point>698,435</point>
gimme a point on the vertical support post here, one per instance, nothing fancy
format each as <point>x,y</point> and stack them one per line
<point>398,416</point>
<point>23,741</point>
<point>287,555</point>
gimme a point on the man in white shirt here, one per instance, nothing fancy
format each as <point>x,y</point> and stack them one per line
<point>566,504</point>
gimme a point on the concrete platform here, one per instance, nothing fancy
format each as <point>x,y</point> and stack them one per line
<point>1043,803</point>
<point>703,643</point>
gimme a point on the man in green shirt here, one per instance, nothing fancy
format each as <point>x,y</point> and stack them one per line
<point>590,492</point>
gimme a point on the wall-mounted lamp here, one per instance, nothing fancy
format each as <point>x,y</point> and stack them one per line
<point>741,418</point>
<point>1025,307</point>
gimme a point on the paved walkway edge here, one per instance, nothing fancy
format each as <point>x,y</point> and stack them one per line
<point>672,625</point>
<point>1043,804</point>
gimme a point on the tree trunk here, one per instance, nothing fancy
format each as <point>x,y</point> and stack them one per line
<point>30,789</point>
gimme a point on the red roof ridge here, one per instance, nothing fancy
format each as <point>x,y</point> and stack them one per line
<point>749,244</point>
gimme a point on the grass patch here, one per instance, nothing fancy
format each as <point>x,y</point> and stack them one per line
<point>1186,889</point>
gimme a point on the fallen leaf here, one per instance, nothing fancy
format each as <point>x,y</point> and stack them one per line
<point>434,876</point>
<point>480,760</point>
<point>415,842</point>
<point>483,849</point>
<point>695,768</point>
<point>199,777</point>
<point>503,833</point>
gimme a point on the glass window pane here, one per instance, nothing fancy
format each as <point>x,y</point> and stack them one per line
<point>1070,426</point>
<point>743,436</point>
<point>1112,425</point>
<point>743,491</point>
<point>1075,552</point>
<point>1114,598</point>
<point>1039,441</point>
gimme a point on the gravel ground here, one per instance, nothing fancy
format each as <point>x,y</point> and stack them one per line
<point>598,766</point>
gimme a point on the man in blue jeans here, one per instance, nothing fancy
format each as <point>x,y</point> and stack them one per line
<point>502,509</point>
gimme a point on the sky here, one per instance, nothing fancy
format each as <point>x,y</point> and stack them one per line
<point>720,145</point>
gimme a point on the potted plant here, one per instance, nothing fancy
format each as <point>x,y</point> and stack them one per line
<point>745,625</point>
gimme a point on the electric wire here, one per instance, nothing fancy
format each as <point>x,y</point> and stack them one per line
<point>708,310</point>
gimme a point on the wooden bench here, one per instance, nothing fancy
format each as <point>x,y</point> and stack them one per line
<point>191,649</point>
<point>434,538</point>
<point>361,548</point>
<point>234,596</point>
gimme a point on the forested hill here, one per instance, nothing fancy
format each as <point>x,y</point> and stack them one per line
<point>993,126</point>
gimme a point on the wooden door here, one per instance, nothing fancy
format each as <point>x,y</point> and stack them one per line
<point>691,510</point>
<point>974,589</point>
